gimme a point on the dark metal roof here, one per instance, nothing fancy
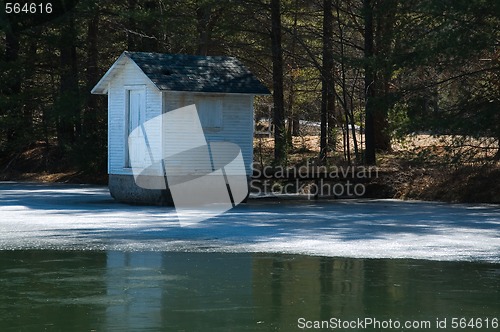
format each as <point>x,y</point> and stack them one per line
<point>179,72</point>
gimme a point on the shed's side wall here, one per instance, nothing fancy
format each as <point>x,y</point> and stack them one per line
<point>129,75</point>
<point>237,122</point>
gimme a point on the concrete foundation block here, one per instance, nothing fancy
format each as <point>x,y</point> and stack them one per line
<point>124,189</point>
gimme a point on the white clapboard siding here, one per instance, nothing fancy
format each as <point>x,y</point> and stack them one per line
<point>129,76</point>
<point>235,124</point>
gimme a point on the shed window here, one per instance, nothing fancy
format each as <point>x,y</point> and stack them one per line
<point>210,112</point>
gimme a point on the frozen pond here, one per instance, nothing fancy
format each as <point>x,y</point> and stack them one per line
<point>79,217</point>
<point>45,290</point>
<point>71,259</point>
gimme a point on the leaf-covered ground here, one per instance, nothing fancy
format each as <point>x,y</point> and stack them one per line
<point>421,167</point>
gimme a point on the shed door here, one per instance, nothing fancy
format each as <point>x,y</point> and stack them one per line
<point>136,114</point>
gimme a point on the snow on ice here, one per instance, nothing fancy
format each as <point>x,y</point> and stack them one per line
<point>82,217</point>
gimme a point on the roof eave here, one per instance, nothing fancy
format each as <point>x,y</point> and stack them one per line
<point>218,92</point>
<point>267,92</point>
<point>101,88</point>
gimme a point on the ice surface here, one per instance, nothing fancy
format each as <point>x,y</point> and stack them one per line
<point>85,217</point>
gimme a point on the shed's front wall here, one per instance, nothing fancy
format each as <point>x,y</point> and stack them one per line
<point>130,77</point>
<point>235,124</point>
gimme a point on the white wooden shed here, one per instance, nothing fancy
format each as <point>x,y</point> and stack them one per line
<point>141,86</point>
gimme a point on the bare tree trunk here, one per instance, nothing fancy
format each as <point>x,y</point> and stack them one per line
<point>384,17</point>
<point>13,87</point>
<point>497,155</point>
<point>293,120</point>
<point>150,43</point>
<point>131,38</point>
<point>290,120</point>
<point>353,128</point>
<point>69,124</point>
<point>327,93</point>
<point>348,109</point>
<point>92,75</point>
<point>370,158</point>
<point>277,55</point>
<point>203,27</point>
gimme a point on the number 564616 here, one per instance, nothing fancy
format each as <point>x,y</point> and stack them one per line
<point>28,8</point>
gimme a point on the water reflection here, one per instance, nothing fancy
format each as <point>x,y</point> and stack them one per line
<point>48,290</point>
<point>168,291</point>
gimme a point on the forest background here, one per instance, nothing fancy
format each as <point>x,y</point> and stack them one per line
<point>376,76</point>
